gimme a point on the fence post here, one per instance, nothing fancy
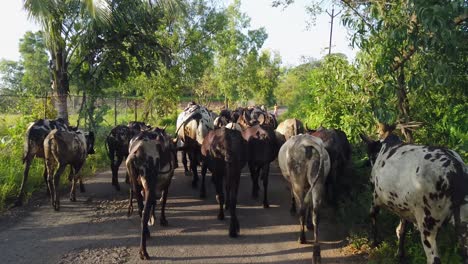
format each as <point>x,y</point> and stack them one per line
<point>45,106</point>
<point>136,113</point>
<point>115,110</point>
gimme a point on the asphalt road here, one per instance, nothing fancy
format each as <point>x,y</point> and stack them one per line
<point>95,229</point>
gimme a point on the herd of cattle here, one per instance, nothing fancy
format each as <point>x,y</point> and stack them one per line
<point>421,184</point>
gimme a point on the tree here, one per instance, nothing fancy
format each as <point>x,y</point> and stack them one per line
<point>36,78</point>
<point>12,73</point>
<point>63,22</point>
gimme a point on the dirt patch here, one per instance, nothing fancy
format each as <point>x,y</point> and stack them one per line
<point>113,210</point>
<point>116,255</point>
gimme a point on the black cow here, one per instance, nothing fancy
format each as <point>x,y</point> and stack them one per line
<point>263,149</point>
<point>34,147</point>
<point>225,153</point>
<point>117,143</point>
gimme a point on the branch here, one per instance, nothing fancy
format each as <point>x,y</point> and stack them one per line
<point>460,19</point>
<point>347,3</point>
<point>406,57</point>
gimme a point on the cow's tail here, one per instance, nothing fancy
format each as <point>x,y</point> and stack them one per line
<point>308,197</point>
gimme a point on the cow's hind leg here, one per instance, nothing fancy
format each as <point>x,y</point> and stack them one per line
<point>44,175</point>
<point>203,175</point>
<point>193,166</point>
<point>220,196</point>
<point>462,233</point>
<point>265,172</point>
<point>233,178</point>
<point>163,220</point>
<point>185,162</point>
<point>56,181</point>
<point>374,211</point>
<point>115,171</point>
<point>293,209</point>
<point>19,198</point>
<point>428,239</point>
<point>401,233</point>
<point>149,201</point>
<point>254,171</point>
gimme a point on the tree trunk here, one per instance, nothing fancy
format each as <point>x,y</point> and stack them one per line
<point>60,82</point>
<point>403,104</point>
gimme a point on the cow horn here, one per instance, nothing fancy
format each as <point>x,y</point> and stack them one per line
<point>164,128</point>
<point>307,129</point>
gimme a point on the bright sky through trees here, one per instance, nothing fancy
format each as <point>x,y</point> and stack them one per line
<point>286,29</point>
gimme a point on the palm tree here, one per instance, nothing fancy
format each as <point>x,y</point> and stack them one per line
<point>63,22</point>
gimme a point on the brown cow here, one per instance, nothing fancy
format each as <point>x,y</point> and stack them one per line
<point>225,153</point>
<point>62,148</point>
<point>150,166</point>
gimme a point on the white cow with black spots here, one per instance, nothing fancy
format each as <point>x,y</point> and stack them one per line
<point>421,184</point>
<point>193,124</point>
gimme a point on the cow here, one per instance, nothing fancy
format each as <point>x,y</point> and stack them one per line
<point>247,117</point>
<point>263,149</point>
<point>150,166</point>
<point>421,184</point>
<point>339,149</point>
<point>223,119</point>
<point>34,147</point>
<point>288,128</point>
<point>224,153</point>
<point>305,164</point>
<point>193,124</point>
<point>62,148</point>
<point>117,143</point>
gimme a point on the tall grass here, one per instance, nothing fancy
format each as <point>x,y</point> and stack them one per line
<point>12,131</point>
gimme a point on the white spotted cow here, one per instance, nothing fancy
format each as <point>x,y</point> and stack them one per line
<point>421,184</point>
<point>34,147</point>
<point>305,163</point>
<point>193,124</point>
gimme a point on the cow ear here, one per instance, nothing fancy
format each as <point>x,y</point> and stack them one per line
<point>261,119</point>
<point>365,138</point>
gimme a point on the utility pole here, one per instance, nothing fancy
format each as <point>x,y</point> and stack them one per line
<point>332,16</point>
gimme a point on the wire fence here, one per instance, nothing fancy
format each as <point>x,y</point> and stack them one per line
<point>79,107</point>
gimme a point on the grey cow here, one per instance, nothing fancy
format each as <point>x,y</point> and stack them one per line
<point>305,163</point>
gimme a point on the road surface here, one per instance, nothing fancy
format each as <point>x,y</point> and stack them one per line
<point>95,229</point>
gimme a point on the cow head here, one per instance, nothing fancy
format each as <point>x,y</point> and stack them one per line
<point>90,142</point>
<point>373,148</point>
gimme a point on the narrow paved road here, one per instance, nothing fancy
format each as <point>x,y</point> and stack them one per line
<point>96,229</point>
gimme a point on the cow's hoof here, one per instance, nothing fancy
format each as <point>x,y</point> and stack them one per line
<point>233,233</point>
<point>221,216</point>
<point>266,205</point>
<point>73,199</point>
<point>188,174</point>
<point>144,255</point>
<point>163,222</point>
<point>302,239</point>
